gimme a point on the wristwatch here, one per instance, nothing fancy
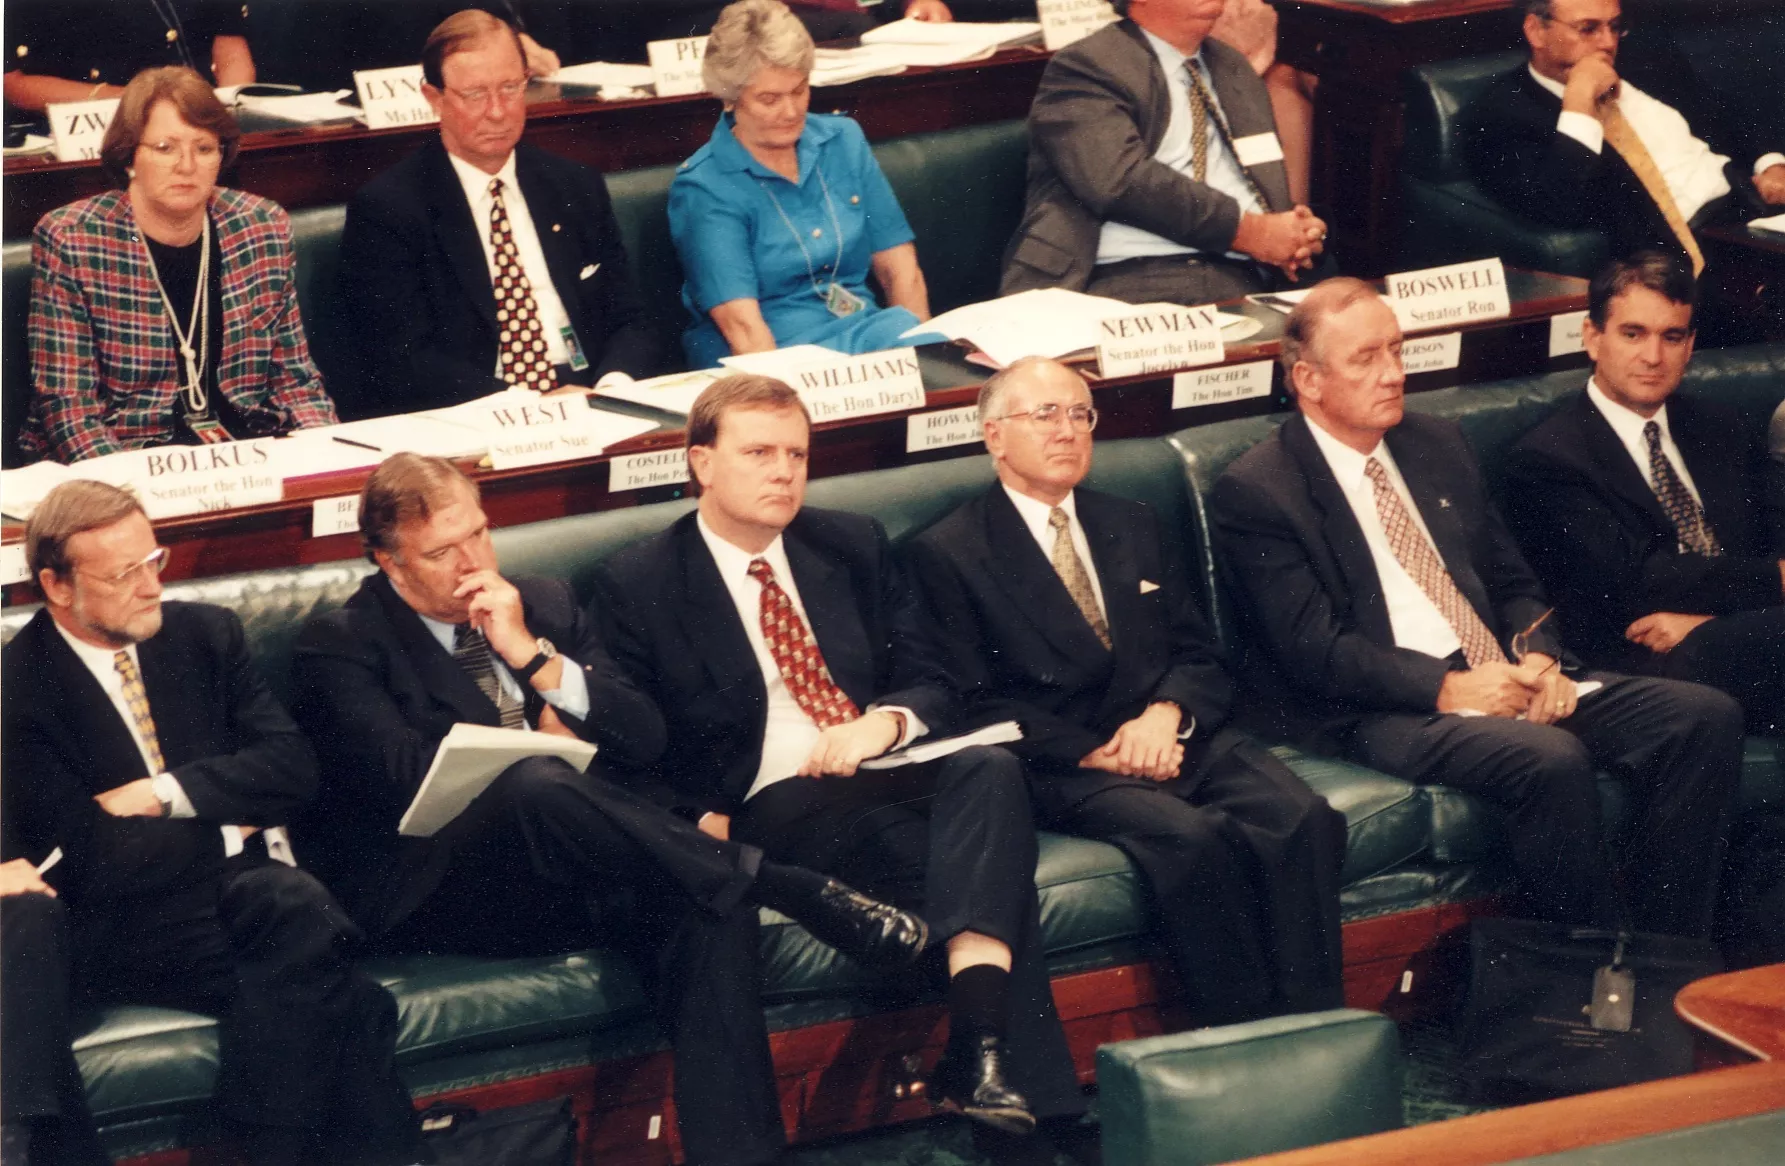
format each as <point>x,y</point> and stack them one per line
<point>547,653</point>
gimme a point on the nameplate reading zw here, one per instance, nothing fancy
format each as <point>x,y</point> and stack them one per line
<point>1159,340</point>
<point>534,432</point>
<point>187,479</point>
<point>1217,386</point>
<point>639,471</point>
<point>675,65</point>
<point>939,430</point>
<point>1064,21</point>
<point>857,386</point>
<point>1443,297</point>
<point>392,97</point>
<point>77,127</point>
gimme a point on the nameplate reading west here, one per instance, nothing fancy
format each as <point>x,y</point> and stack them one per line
<point>857,386</point>
<point>1159,340</point>
<point>393,97</point>
<point>1443,297</point>
<point>675,65</point>
<point>532,432</point>
<point>78,127</point>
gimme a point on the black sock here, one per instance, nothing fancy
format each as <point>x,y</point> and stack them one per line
<point>978,1003</point>
<point>791,890</point>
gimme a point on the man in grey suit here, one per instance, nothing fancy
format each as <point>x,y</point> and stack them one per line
<point>1155,172</point>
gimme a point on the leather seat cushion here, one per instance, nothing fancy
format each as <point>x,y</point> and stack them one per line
<point>1387,819</point>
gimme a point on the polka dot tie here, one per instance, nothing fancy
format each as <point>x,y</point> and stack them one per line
<point>521,337</point>
<point>797,656</point>
<point>1689,525</point>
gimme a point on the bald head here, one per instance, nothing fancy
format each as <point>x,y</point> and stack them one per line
<point>1037,418</point>
<point>1342,358</point>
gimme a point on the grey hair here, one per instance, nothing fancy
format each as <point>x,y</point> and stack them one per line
<point>991,394</point>
<point>1301,330</point>
<point>751,35</point>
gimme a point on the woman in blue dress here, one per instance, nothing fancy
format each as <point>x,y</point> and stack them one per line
<point>780,218</point>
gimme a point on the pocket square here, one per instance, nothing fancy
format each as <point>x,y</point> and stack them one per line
<point>1147,586</point>
<point>591,269</point>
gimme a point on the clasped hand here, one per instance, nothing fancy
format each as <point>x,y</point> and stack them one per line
<point>1534,688</point>
<point>1146,746</point>
<point>840,749</point>
<point>1287,240</point>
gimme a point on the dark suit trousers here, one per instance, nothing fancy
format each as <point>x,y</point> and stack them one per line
<point>1242,860</point>
<point>544,852</point>
<point>41,1094</point>
<point>1742,654</point>
<point>1677,745</point>
<point>305,1040</point>
<point>953,838</point>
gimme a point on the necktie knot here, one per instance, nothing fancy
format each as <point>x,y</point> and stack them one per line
<point>761,571</point>
<point>495,188</point>
<point>121,661</point>
<point>1651,431</point>
<point>1374,471</point>
<point>1057,519</point>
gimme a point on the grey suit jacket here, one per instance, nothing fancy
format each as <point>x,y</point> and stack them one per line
<point>1098,117</point>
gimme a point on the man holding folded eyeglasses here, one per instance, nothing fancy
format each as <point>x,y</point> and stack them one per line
<point>149,775</point>
<point>1566,141</point>
<point>1066,610</point>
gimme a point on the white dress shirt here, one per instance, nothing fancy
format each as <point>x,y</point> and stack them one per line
<point>552,316</point>
<point>1693,172</point>
<point>571,697</point>
<point>1628,425</point>
<point>102,664</point>
<point>789,734</point>
<point>1417,623</point>
<point>1119,241</point>
<point>1035,513</point>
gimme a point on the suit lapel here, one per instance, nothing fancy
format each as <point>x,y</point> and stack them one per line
<point>458,233</point>
<point>548,224</point>
<point>1600,443</point>
<point>710,618</point>
<point>1027,575</point>
<point>438,672</point>
<point>1717,478</point>
<point>106,738</point>
<point>828,596</point>
<point>1426,484</point>
<point>1344,537</point>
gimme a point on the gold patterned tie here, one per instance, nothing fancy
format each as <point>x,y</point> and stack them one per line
<point>137,699</point>
<point>1072,573</point>
<point>1203,113</point>
<point>1620,136</point>
<point>1421,561</point>
<point>521,337</point>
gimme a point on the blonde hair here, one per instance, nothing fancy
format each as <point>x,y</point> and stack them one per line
<point>70,509</point>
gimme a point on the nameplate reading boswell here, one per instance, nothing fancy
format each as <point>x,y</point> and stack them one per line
<point>640,471</point>
<point>675,65</point>
<point>392,97</point>
<point>78,127</point>
<point>1065,21</point>
<point>941,429</point>
<point>189,479</point>
<point>1159,340</point>
<point>1217,386</point>
<point>534,432</point>
<point>1443,297</point>
<point>858,386</point>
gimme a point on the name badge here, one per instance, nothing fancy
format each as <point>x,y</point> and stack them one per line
<point>78,127</point>
<point>859,386</point>
<point>578,361</point>
<point>1065,21</point>
<point>393,97</point>
<point>1441,297</point>
<point>190,479</point>
<point>675,65</point>
<point>1257,149</point>
<point>1158,340</point>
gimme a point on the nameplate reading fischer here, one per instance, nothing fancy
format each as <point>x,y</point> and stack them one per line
<point>857,386</point>
<point>187,479</point>
<point>392,97</point>
<point>1443,297</point>
<point>77,127</point>
<point>533,432</point>
<point>1159,340</point>
<point>675,65</point>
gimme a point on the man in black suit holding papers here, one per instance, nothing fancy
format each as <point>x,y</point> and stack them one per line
<point>438,637</point>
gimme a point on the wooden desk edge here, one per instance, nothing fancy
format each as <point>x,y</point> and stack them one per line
<point>1745,1009</point>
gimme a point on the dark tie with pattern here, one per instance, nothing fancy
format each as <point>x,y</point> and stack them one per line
<point>521,337</point>
<point>1689,526</point>
<point>797,656</point>
<point>1072,573</point>
<point>472,653</point>
<point>1203,114</point>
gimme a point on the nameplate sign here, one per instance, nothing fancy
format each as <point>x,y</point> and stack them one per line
<point>393,97</point>
<point>173,480</point>
<point>675,65</point>
<point>1158,340</point>
<point>78,127</point>
<point>1217,386</point>
<point>334,516</point>
<point>534,432</point>
<point>1431,353</point>
<point>1443,297</point>
<point>1065,21</point>
<point>859,386</point>
<point>14,567</point>
<point>1565,334</point>
<point>939,430</point>
<point>641,471</point>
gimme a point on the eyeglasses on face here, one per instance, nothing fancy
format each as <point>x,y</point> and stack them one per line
<point>480,97</point>
<point>167,149</point>
<point>153,563</point>
<point>1588,29</point>
<point>1082,418</point>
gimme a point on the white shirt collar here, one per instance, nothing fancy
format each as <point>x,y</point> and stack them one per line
<point>477,184</point>
<point>1035,513</point>
<point>102,662</point>
<point>1347,465</point>
<point>1626,422</point>
<point>1549,83</point>
<point>734,561</point>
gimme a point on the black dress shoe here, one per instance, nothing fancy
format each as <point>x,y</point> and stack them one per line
<point>873,934</point>
<point>969,1080</point>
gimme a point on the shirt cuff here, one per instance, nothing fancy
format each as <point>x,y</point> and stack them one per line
<point>232,841</point>
<point>1582,128</point>
<point>1767,161</point>
<point>167,788</point>
<point>1188,731</point>
<point>914,728</point>
<point>616,377</point>
<point>571,697</point>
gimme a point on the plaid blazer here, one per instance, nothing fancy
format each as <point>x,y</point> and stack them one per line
<point>103,356</point>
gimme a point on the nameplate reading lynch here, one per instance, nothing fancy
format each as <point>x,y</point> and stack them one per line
<point>393,97</point>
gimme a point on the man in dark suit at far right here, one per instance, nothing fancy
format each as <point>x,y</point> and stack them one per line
<point>1644,509</point>
<point>1398,625</point>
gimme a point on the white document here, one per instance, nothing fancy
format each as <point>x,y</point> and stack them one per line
<point>675,393</point>
<point>782,363</point>
<point>1050,321</point>
<point>33,144</point>
<point>963,34</point>
<point>1001,733</point>
<point>22,489</point>
<point>1283,301</point>
<point>1771,223</point>
<point>468,760</point>
<point>605,75</point>
<point>308,108</point>
<point>841,66</point>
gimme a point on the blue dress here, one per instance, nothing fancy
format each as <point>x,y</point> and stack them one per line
<point>745,232</point>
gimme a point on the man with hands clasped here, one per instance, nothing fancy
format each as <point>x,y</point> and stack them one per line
<point>1399,626</point>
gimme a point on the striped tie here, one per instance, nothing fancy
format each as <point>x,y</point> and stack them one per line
<point>472,652</point>
<point>137,699</point>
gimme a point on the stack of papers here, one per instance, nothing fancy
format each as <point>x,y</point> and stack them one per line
<point>1052,322</point>
<point>33,144</point>
<point>303,108</point>
<point>1772,223</point>
<point>674,393</point>
<point>929,43</point>
<point>21,490</point>
<point>614,81</point>
<point>841,66</point>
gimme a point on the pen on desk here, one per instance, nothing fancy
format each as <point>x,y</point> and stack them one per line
<point>358,444</point>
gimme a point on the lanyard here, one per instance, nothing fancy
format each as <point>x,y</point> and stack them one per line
<point>198,324</point>
<point>811,272</point>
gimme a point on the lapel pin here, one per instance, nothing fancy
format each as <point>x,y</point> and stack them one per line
<point>1147,586</point>
<point>589,270</point>
<point>556,228</point>
<point>1444,504</point>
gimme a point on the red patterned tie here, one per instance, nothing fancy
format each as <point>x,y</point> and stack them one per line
<point>797,656</point>
<point>1421,561</point>
<point>521,338</point>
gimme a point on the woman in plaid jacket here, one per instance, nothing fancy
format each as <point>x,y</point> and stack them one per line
<point>119,358</point>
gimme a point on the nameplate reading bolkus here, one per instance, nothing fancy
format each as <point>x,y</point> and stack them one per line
<point>857,386</point>
<point>78,127</point>
<point>393,97</point>
<point>534,432</point>
<point>188,479</point>
<point>1443,297</point>
<point>1159,340</point>
<point>1065,21</point>
<point>675,65</point>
